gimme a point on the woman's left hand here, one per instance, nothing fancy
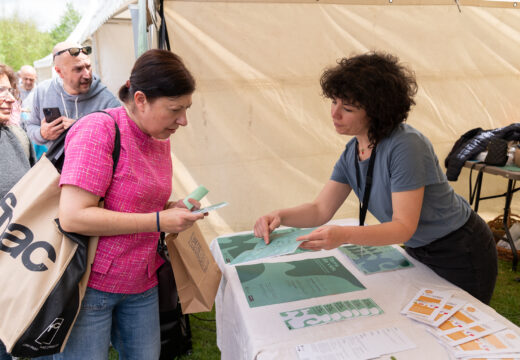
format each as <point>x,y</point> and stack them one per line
<point>325,237</point>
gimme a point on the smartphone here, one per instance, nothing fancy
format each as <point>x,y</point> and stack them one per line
<point>51,114</point>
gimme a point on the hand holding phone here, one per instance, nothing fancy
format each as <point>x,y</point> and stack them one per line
<point>51,114</point>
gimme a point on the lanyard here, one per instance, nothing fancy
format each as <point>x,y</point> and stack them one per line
<point>363,206</point>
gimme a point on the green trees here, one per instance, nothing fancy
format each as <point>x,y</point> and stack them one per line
<point>68,22</point>
<point>22,43</point>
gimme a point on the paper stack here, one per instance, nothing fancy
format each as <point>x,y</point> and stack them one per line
<point>463,329</point>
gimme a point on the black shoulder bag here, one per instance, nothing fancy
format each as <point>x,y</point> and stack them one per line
<point>175,327</point>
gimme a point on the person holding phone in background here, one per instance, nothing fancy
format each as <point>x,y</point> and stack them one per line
<point>74,93</point>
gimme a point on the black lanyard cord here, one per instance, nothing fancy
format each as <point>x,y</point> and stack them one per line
<point>363,206</point>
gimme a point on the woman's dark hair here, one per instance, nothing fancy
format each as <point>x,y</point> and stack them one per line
<point>6,70</point>
<point>377,83</point>
<point>158,73</point>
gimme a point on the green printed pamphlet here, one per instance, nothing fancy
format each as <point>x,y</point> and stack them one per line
<point>324,314</point>
<point>246,247</point>
<point>374,259</point>
<point>276,283</point>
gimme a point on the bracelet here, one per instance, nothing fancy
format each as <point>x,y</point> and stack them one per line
<point>157,219</point>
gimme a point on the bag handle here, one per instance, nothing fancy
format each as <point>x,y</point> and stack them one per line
<point>56,152</point>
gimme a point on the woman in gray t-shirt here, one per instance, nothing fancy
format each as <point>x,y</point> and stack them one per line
<point>393,170</point>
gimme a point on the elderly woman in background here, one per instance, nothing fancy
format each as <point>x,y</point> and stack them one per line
<point>17,154</point>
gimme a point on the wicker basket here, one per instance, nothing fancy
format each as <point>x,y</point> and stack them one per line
<point>497,227</point>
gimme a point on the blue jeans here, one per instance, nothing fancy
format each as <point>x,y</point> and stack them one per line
<point>3,353</point>
<point>130,321</point>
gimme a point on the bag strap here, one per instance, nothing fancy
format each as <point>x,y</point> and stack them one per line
<point>117,143</point>
<point>164,41</point>
<point>56,152</point>
<point>22,138</point>
<point>161,245</point>
<point>82,239</point>
<point>363,206</point>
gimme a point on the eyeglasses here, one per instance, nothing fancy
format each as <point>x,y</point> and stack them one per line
<point>75,51</point>
<point>5,92</point>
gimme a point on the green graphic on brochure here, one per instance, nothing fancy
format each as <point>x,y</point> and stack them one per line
<point>324,314</point>
<point>276,283</point>
<point>245,247</point>
<point>374,259</point>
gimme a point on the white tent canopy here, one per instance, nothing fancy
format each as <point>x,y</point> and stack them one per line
<point>260,135</point>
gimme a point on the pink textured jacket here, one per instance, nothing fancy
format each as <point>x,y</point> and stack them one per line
<point>141,184</point>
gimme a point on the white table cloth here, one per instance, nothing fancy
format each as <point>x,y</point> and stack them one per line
<point>259,333</point>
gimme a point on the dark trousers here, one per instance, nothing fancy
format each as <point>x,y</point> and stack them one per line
<point>467,257</point>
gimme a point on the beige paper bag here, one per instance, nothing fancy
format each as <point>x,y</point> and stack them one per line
<point>197,275</point>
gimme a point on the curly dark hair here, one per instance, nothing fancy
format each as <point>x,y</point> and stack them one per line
<point>377,83</point>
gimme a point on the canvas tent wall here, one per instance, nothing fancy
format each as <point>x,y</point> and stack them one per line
<point>260,135</point>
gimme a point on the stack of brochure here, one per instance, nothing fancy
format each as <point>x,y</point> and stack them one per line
<point>462,328</point>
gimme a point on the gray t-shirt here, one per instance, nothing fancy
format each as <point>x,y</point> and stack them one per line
<point>406,161</point>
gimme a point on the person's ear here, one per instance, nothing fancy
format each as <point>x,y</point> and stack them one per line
<point>140,100</point>
<point>58,71</point>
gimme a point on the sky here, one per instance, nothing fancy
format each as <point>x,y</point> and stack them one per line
<point>45,13</point>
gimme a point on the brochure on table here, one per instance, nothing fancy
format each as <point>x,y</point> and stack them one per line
<point>461,327</point>
<point>375,259</point>
<point>367,345</point>
<point>328,313</point>
<point>280,282</point>
<point>241,248</point>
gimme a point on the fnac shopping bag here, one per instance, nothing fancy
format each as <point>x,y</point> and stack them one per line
<point>44,270</point>
<point>40,267</point>
<point>197,275</point>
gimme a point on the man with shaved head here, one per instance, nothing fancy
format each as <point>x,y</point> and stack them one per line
<point>75,92</point>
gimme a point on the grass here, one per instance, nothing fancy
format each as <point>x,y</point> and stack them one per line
<point>506,299</point>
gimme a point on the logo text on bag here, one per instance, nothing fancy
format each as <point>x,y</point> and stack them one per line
<point>199,253</point>
<point>21,236</point>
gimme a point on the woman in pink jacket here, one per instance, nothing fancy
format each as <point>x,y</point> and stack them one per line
<point>121,304</point>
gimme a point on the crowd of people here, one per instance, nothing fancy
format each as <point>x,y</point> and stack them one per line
<point>371,95</point>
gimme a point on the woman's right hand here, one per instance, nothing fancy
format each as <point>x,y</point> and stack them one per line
<point>266,224</point>
<point>175,220</point>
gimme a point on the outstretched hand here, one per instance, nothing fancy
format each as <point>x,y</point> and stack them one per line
<point>325,237</point>
<point>265,225</point>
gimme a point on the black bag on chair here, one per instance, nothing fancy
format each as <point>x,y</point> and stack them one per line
<point>175,327</point>
<point>497,152</point>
